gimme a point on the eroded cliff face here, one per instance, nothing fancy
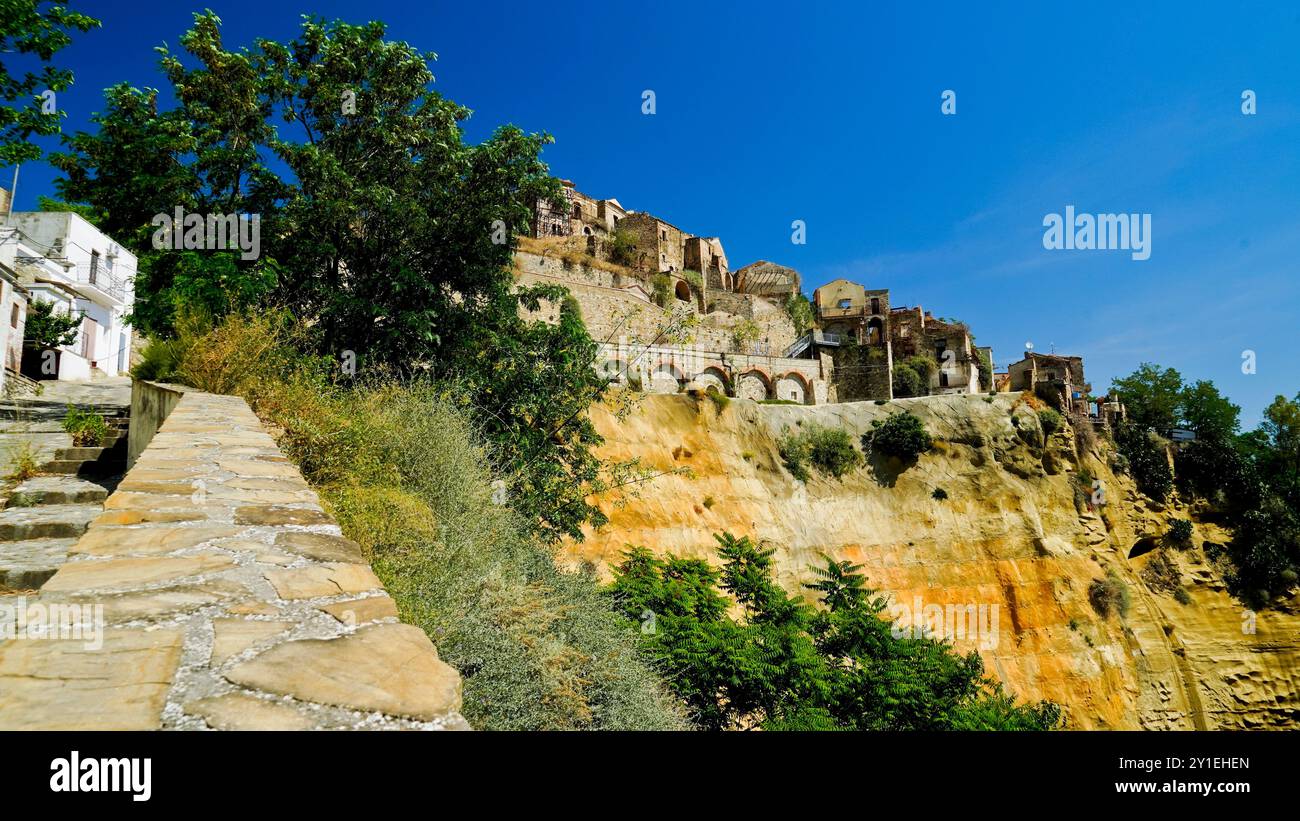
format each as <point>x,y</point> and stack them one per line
<point>1015,531</point>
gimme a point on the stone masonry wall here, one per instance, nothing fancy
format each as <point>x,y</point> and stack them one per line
<point>228,599</point>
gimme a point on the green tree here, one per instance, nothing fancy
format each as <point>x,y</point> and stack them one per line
<point>40,28</point>
<point>800,311</point>
<point>390,236</point>
<point>1148,461</point>
<point>1153,397</point>
<point>1207,412</point>
<point>785,665</point>
<point>47,329</point>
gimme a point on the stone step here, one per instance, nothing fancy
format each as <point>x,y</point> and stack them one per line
<point>55,490</point>
<point>29,564</point>
<point>85,467</point>
<point>19,524</point>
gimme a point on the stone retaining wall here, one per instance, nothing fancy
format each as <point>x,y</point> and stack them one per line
<point>230,600</point>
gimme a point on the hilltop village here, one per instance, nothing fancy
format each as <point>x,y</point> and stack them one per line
<point>669,312</point>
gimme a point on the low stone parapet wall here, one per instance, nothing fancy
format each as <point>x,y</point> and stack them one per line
<point>215,592</point>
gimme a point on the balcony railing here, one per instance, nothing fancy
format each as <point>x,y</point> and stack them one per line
<point>98,277</point>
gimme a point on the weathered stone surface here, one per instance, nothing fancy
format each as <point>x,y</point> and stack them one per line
<point>320,547</point>
<point>233,636</point>
<point>322,580</point>
<point>360,611</point>
<point>63,685</point>
<point>122,541</point>
<point>127,573</point>
<point>158,604</point>
<point>240,711</point>
<point>387,668</point>
<point>136,517</point>
<point>273,516</point>
<point>258,468</point>
<point>253,608</point>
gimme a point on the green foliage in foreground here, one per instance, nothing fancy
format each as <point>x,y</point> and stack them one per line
<point>404,470</point>
<point>87,428</point>
<point>786,665</point>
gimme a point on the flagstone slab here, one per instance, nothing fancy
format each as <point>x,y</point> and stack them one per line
<point>132,572</point>
<point>123,541</point>
<point>360,611</point>
<point>388,668</point>
<point>233,636</point>
<point>66,685</point>
<point>318,581</point>
<point>320,547</point>
<point>240,711</point>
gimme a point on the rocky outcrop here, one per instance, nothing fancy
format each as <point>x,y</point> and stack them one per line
<point>1017,529</point>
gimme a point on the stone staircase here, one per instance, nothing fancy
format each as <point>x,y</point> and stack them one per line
<point>43,516</point>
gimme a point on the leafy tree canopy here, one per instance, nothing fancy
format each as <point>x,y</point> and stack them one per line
<point>41,29</point>
<point>786,665</point>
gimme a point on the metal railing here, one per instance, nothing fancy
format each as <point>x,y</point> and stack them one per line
<point>99,277</point>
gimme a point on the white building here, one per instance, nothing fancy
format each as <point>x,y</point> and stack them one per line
<point>61,258</point>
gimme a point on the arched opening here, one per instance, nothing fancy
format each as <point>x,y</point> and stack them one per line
<point>752,385</point>
<point>682,290</point>
<point>792,388</point>
<point>1142,547</point>
<point>875,331</point>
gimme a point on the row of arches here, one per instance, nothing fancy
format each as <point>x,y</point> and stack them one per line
<point>754,383</point>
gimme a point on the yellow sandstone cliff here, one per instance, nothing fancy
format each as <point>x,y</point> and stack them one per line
<point>1016,531</point>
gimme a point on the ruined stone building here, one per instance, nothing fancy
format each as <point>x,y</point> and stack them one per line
<point>769,279</point>
<point>1057,380</point>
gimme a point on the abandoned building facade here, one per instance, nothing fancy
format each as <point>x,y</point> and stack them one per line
<point>742,339</point>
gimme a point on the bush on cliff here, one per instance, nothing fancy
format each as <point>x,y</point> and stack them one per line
<point>829,449</point>
<point>901,435</point>
<point>781,664</point>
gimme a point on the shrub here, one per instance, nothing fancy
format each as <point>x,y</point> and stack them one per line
<point>720,399</point>
<point>22,462</point>
<point>87,428</point>
<point>159,360</point>
<point>793,448</point>
<point>901,435</point>
<point>1109,595</point>
<point>939,494</point>
<point>1182,596</point>
<point>709,502</point>
<point>661,286</point>
<point>1050,420</point>
<point>1147,461</point>
<point>1179,534</point>
<point>621,247</point>
<point>830,450</point>
<point>1161,574</point>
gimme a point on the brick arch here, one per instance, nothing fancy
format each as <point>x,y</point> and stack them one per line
<point>663,371</point>
<point>754,383</point>
<point>716,376</point>
<point>796,382</point>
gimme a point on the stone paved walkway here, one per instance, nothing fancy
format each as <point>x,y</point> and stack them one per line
<point>230,599</point>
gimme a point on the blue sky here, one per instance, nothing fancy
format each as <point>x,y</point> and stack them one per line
<point>768,113</point>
